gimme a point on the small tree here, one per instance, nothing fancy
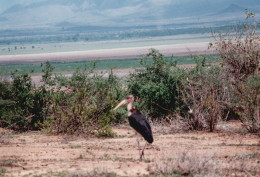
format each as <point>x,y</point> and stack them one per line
<point>240,53</point>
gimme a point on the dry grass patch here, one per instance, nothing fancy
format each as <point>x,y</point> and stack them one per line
<point>184,163</point>
<point>192,163</point>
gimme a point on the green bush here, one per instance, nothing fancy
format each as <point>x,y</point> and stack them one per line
<point>156,86</point>
<point>6,104</point>
<point>17,103</point>
<point>23,106</point>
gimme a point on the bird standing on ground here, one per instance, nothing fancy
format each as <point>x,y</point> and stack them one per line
<point>138,122</point>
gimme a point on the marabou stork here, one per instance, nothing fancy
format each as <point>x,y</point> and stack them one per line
<point>138,122</point>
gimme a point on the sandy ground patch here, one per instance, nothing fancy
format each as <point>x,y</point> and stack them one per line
<point>116,53</point>
<point>227,152</point>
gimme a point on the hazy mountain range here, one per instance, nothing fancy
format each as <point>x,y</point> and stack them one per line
<point>121,13</point>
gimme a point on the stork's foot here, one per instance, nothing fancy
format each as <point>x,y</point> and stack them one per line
<point>141,156</point>
<point>142,153</point>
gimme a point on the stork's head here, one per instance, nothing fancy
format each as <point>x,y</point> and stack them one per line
<point>127,101</point>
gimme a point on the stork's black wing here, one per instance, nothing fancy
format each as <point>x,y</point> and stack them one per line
<point>141,125</point>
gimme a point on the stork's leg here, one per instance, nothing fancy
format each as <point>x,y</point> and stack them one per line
<point>142,153</point>
<point>138,143</point>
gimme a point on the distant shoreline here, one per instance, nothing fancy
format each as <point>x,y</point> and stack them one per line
<point>184,49</point>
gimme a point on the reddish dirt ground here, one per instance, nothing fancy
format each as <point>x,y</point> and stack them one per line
<point>226,152</point>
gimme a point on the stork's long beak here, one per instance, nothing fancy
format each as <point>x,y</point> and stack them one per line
<point>122,103</point>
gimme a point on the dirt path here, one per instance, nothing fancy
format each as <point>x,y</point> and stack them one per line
<point>223,152</point>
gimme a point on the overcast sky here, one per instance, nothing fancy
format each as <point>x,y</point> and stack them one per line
<point>112,12</point>
<point>5,4</point>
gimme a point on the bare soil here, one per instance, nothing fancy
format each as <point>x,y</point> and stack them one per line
<point>227,152</point>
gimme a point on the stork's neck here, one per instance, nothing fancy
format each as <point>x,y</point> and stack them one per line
<point>129,107</point>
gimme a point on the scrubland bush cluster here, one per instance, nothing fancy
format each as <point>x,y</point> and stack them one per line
<point>80,104</point>
<point>198,96</point>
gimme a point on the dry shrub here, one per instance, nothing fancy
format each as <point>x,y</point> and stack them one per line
<point>240,53</point>
<point>204,95</point>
